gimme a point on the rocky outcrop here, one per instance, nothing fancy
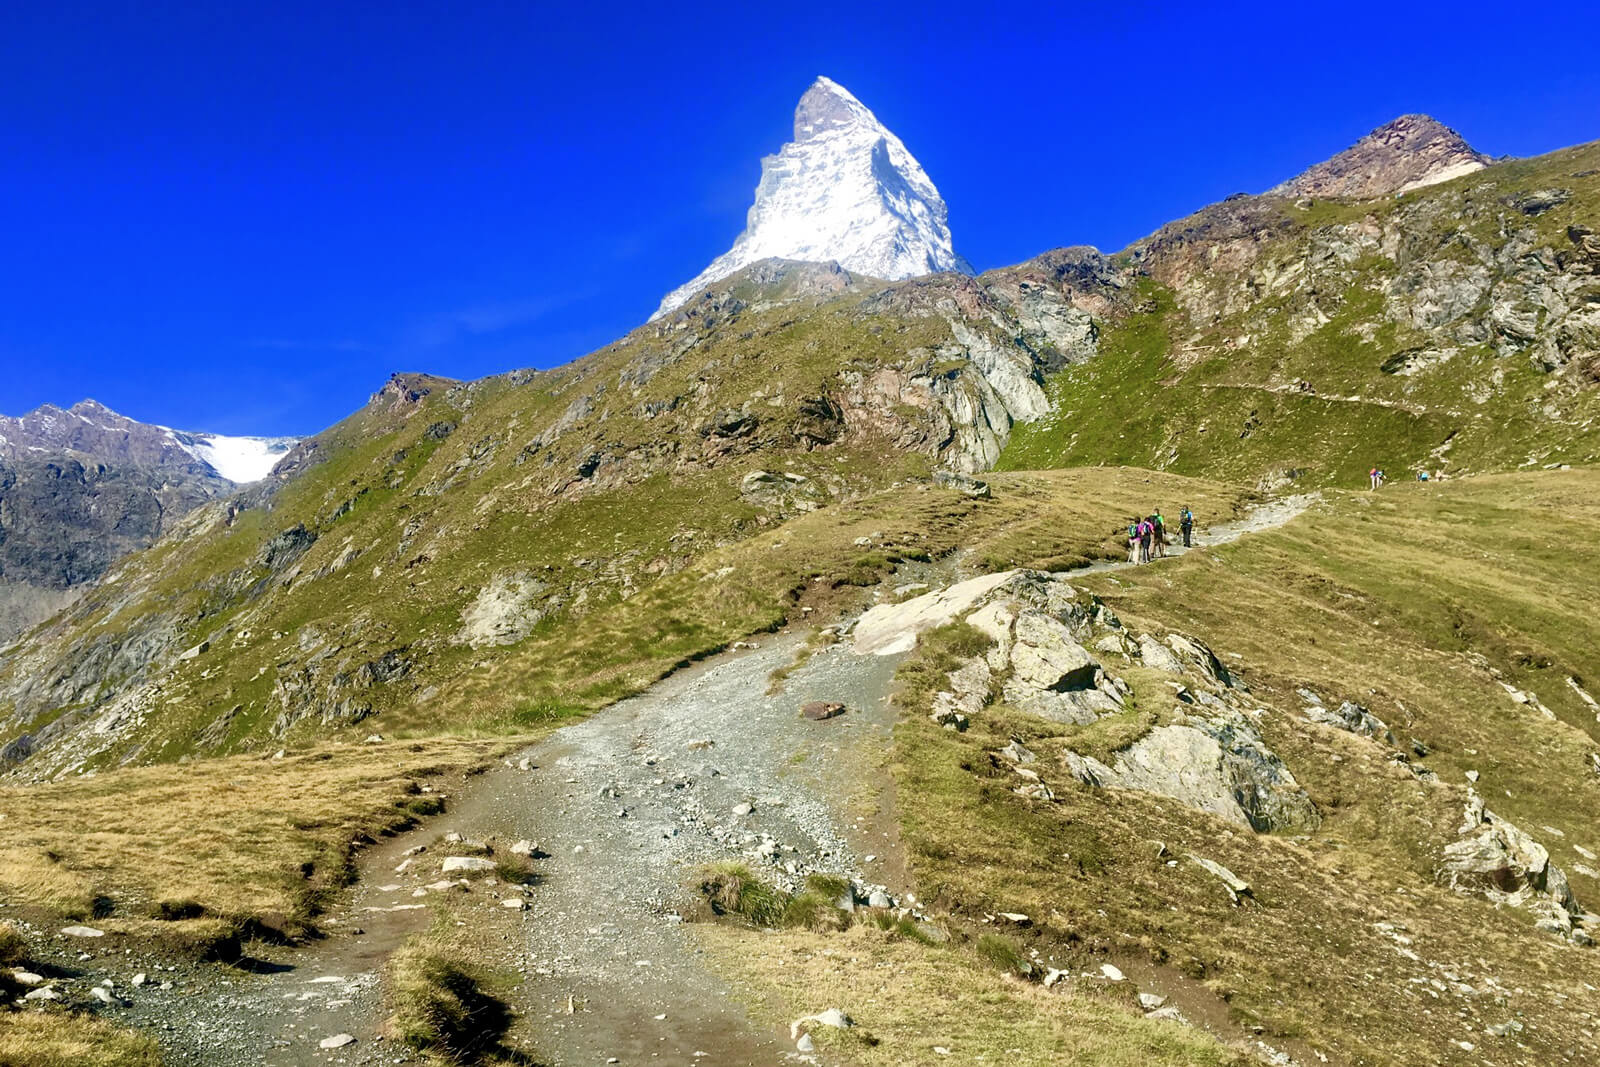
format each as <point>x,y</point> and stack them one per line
<point>506,610</point>
<point>1495,858</point>
<point>1217,764</point>
<point>1209,753</point>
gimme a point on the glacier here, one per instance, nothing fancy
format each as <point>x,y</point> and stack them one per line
<point>845,190</point>
<point>240,460</point>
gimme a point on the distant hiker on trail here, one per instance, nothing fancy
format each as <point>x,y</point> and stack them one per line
<point>1147,534</point>
<point>1160,536</point>
<point>1133,540</point>
<point>1186,524</point>
<point>1375,478</point>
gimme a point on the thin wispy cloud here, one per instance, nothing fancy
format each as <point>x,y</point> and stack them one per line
<point>450,327</point>
<point>292,344</point>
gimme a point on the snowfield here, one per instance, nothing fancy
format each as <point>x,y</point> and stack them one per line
<point>241,460</point>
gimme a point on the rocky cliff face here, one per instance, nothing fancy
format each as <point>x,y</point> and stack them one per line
<point>82,486</point>
<point>1412,152</point>
<point>845,191</point>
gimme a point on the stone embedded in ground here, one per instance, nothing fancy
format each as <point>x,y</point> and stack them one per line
<point>890,629</point>
<point>1159,657</point>
<point>337,1041</point>
<point>1496,858</point>
<point>466,863</point>
<point>817,710</point>
<point>1150,1001</point>
<point>1113,972</point>
<point>1353,718</point>
<point>83,931</point>
<point>1237,887</point>
<point>831,1017</point>
<point>1218,765</point>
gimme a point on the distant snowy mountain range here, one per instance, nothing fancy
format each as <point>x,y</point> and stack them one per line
<point>845,190</point>
<point>91,429</point>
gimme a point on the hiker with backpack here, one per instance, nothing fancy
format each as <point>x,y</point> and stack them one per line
<point>1186,524</point>
<point>1133,540</point>
<point>1147,533</point>
<point>1159,533</point>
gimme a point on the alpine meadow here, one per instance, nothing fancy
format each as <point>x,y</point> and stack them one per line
<point>1177,655</point>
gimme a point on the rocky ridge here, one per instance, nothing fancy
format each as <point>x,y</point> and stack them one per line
<point>1407,153</point>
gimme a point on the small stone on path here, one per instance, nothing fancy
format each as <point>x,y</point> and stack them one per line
<point>83,931</point>
<point>337,1041</point>
<point>817,710</point>
<point>1112,972</point>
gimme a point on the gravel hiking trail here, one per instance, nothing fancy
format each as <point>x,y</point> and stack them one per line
<point>594,957</point>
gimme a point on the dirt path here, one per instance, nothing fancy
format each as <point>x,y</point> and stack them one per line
<point>1267,517</point>
<point>622,806</point>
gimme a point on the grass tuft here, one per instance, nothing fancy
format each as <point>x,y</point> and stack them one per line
<point>440,1006</point>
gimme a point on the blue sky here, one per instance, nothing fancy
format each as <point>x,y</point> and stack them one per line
<point>242,217</point>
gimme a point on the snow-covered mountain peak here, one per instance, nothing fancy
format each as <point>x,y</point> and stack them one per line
<point>845,190</point>
<point>827,105</point>
<point>91,428</point>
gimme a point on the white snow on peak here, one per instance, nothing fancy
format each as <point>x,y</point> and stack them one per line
<point>239,459</point>
<point>845,190</point>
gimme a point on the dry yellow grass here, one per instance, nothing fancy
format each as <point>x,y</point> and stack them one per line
<point>215,846</point>
<point>907,998</point>
<point>1385,599</point>
<point>63,1039</point>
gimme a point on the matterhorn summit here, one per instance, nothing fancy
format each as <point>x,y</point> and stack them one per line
<point>845,190</point>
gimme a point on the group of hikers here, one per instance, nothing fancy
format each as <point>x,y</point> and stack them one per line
<point>1147,537</point>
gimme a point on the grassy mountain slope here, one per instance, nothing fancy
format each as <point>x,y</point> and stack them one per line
<point>1454,328</point>
<point>1417,603</point>
<point>419,542</point>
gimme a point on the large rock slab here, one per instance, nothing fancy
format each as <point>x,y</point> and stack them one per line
<point>1220,766</point>
<point>891,629</point>
<point>1046,656</point>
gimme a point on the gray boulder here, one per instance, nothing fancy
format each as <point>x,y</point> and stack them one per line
<point>1497,859</point>
<point>1220,766</point>
<point>1159,657</point>
<point>1353,718</point>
